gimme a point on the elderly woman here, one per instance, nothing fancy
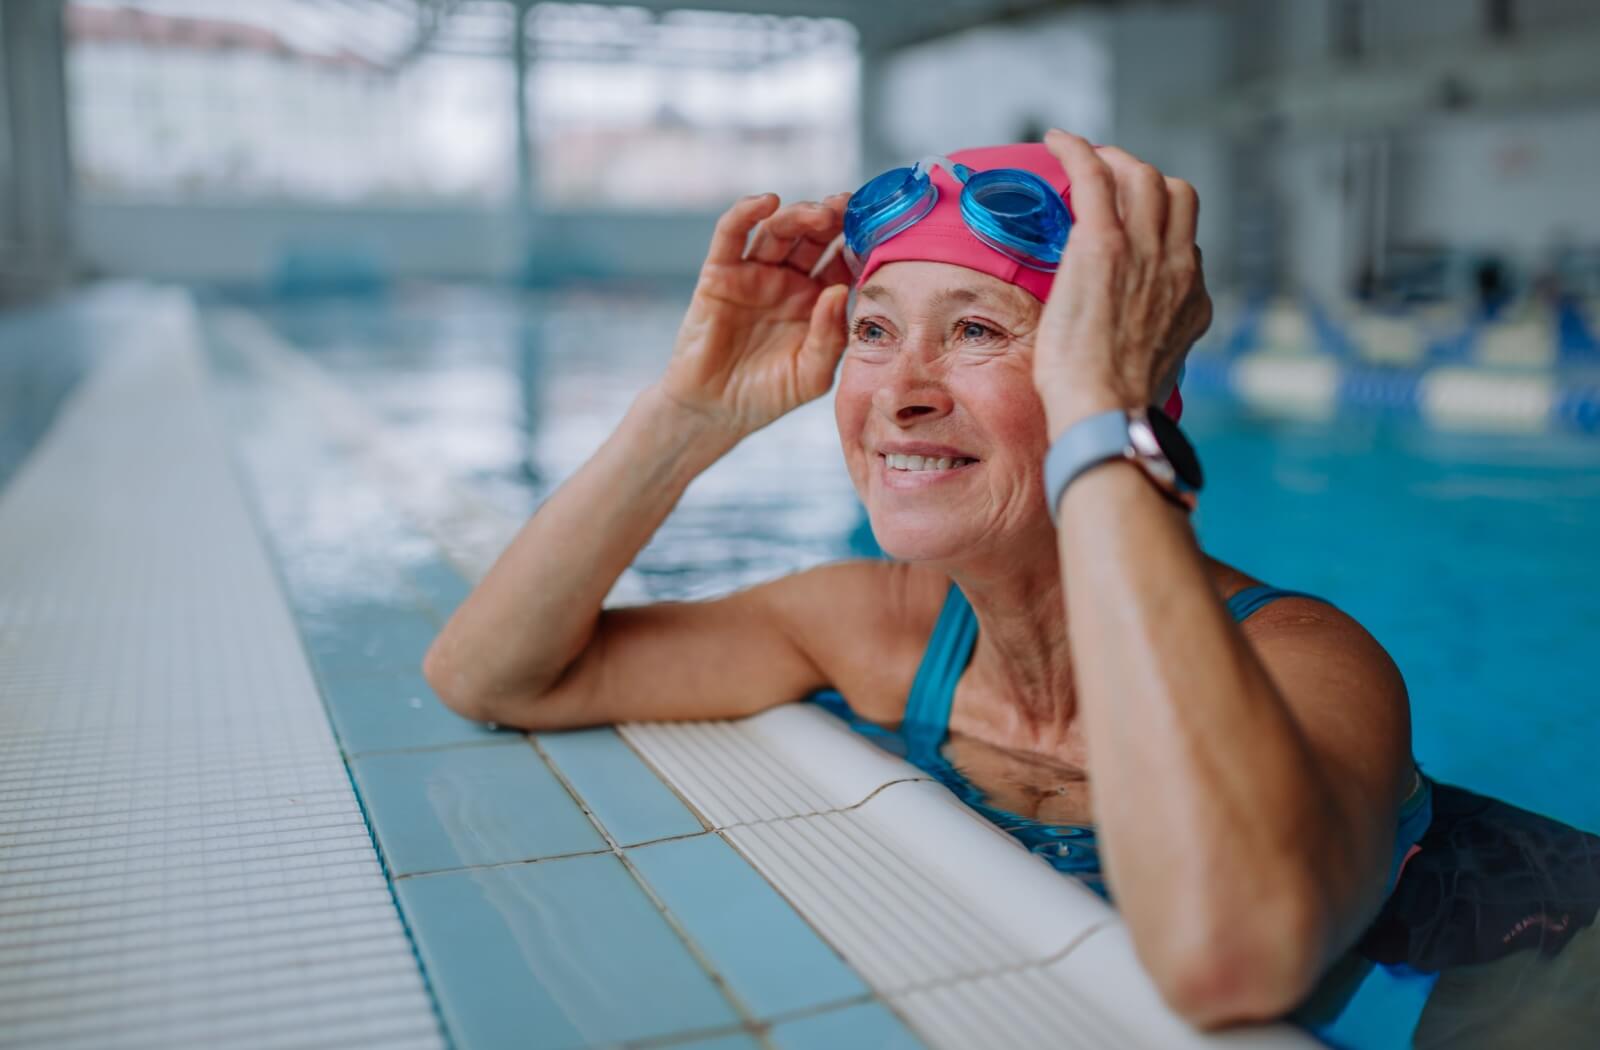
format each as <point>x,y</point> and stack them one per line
<point>1046,595</point>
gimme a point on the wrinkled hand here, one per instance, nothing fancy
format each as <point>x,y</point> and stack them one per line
<point>1130,298</point>
<point>762,335</point>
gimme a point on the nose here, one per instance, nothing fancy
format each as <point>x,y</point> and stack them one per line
<point>911,391</point>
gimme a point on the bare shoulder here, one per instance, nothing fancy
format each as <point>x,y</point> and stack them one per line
<point>864,625</point>
<point>1340,682</point>
<point>1315,622</point>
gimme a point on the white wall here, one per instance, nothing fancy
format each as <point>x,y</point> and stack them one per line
<point>1515,183</point>
<point>985,86</point>
<point>1109,75</point>
<point>1511,180</point>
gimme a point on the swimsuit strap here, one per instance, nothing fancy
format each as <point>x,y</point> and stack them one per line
<point>949,650</point>
<point>1252,600</point>
<point>927,717</point>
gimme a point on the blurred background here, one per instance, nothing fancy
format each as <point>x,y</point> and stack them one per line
<point>478,220</point>
<point>1409,153</point>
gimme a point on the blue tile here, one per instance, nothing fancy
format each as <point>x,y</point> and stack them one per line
<point>772,960</point>
<point>868,1026</point>
<point>563,953</point>
<point>389,711</point>
<point>620,790</point>
<point>367,637</point>
<point>461,806</point>
<point>442,585</point>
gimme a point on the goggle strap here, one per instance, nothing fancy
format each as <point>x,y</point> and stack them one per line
<point>924,167</point>
<point>829,253</point>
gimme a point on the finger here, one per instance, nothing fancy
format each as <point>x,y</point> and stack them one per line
<point>1141,199</point>
<point>1183,216</point>
<point>804,254</point>
<point>734,226</point>
<point>825,342</point>
<point>774,240</point>
<point>1093,193</point>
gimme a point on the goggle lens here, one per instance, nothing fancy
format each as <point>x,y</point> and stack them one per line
<point>887,205</point>
<point>1018,214</point>
<point>1013,211</point>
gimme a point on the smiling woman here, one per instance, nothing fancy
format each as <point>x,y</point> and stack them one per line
<point>1248,748</point>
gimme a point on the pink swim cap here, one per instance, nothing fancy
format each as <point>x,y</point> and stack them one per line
<point>943,236</point>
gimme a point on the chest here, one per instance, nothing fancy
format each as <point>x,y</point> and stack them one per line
<point>1038,772</point>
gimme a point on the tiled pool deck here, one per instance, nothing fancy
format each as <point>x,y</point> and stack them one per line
<point>190,666</point>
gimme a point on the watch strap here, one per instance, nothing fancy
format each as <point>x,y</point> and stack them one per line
<point>1086,443</point>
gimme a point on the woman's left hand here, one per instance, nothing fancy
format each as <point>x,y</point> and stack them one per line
<point>1129,299</point>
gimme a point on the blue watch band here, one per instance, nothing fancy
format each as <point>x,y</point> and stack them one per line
<point>1088,442</point>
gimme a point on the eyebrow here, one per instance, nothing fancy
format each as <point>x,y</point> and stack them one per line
<point>943,298</point>
<point>947,297</point>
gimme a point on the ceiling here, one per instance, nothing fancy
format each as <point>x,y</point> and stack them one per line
<point>700,33</point>
<point>634,31</point>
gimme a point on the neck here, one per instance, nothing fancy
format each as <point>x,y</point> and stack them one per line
<point>1022,663</point>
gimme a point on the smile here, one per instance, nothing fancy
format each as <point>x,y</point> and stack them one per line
<point>894,461</point>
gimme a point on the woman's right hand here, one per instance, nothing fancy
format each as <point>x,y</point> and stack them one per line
<point>762,336</point>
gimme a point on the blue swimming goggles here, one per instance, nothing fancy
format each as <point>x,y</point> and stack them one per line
<point>1011,210</point>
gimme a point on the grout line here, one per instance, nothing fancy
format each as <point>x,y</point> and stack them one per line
<point>518,863</point>
<point>665,779</point>
<point>760,1030</point>
<point>747,1015</point>
<point>506,738</point>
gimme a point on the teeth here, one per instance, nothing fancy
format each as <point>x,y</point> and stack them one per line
<point>899,462</point>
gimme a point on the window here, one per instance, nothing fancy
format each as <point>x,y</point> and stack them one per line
<point>689,108</point>
<point>196,99</point>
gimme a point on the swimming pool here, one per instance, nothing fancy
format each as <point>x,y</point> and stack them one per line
<point>1475,558</point>
<point>1468,556</point>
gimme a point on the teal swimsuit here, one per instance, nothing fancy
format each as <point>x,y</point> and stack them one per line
<point>1070,848</point>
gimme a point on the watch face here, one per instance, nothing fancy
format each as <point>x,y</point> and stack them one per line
<point>1177,449</point>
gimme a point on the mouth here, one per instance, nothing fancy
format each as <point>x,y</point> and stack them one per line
<point>897,463</point>
<point>915,467</point>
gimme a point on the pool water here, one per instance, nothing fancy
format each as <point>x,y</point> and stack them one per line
<point>1471,557</point>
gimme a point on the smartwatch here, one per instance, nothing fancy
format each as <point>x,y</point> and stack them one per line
<point>1147,436</point>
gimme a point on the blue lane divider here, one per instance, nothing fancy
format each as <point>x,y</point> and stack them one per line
<point>1330,335</point>
<point>1575,405</point>
<point>1578,407</point>
<point>1576,342</point>
<point>1246,334</point>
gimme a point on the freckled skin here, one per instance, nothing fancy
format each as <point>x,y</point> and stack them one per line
<point>923,366</point>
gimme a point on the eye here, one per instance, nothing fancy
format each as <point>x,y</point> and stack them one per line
<point>867,330</point>
<point>971,330</point>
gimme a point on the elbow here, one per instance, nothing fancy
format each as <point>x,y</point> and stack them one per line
<point>450,685</point>
<point>1256,962</point>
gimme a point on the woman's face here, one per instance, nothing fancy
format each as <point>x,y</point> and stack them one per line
<point>942,431</point>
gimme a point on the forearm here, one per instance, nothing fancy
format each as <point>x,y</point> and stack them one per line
<point>536,610</point>
<point>1210,803</point>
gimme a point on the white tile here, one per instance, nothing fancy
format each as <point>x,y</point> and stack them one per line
<point>185,861</point>
<point>1104,966</point>
<point>786,762</point>
<point>912,888</point>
